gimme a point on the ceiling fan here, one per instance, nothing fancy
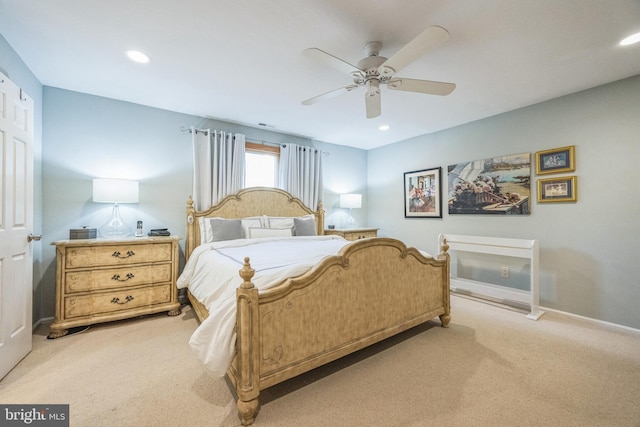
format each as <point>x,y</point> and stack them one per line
<point>374,70</point>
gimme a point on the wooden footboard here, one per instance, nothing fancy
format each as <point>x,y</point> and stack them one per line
<point>371,290</point>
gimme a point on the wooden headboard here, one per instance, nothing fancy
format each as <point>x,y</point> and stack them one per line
<point>254,201</point>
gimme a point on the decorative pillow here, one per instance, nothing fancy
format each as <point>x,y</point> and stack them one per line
<point>252,222</point>
<point>279,222</point>
<point>284,221</point>
<point>255,233</point>
<point>305,226</point>
<point>225,229</point>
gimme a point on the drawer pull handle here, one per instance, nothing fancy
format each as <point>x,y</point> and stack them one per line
<point>117,254</point>
<point>117,277</point>
<point>116,300</point>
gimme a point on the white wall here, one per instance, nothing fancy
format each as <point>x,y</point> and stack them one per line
<point>588,249</point>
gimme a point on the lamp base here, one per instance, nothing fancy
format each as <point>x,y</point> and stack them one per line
<point>115,227</point>
<point>351,222</point>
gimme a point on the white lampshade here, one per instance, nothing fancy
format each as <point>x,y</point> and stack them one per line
<point>115,191</point>
<point>351,201</point>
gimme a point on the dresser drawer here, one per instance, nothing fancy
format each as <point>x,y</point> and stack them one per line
<point>355,235</point>
<point>99,303</point>
<point>107,255</point>
<point>116,278</point>
<point>103,280</point>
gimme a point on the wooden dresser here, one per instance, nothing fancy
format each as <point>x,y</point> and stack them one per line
<point>353,233</point>
<point>100,280</point>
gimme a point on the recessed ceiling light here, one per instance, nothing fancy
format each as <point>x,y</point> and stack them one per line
<point>384,127</point>
<point>137,56</point>
<point>633,38</point>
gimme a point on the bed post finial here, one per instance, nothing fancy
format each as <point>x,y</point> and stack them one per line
<point>246,272</point>
<point>445,245</point>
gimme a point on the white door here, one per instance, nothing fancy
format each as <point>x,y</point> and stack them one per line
<point>16,224</point>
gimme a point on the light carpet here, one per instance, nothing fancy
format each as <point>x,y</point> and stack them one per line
<point>491,367</point>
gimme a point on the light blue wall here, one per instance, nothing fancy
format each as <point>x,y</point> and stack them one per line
<point>12,66</point>
<point>87,136</point>
<point>345,171</point>
<point>588,249</point>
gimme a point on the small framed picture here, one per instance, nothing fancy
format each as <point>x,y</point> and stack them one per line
<point>562,189</point>
<point>423,193</point>
<point>558,160</point>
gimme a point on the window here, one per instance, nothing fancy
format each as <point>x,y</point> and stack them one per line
<point>261,165</point>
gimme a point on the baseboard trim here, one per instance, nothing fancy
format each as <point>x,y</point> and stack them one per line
<point>515,306</point>
<point>592,320</point>
<point>40,322</point>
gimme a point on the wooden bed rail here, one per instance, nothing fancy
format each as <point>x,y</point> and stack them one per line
<point>269,325</point>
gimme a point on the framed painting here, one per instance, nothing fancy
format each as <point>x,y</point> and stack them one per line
<point>423,193</point>
<point>558,160</point>
<point>495,186</point>
<point>564,189</point>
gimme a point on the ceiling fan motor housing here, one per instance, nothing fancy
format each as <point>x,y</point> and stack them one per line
<point>369,74</point>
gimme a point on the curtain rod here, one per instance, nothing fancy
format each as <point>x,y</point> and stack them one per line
<point>255,141</point>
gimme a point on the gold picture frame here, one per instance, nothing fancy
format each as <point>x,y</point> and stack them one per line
<point>557,160</point>
<point>556,190</point>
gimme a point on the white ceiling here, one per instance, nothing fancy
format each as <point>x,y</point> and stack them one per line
<point>241,61</point>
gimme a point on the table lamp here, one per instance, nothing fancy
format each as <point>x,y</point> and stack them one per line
<point>115,191</point>
<point>351,201</point>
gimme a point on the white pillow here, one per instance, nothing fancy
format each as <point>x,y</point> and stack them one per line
<point>255,233</point>
<point>284,221</point>
<point>252,222</point>
<point>279,222</point>
<point>205,230</point>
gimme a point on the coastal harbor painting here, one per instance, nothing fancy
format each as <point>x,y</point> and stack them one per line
<point>499,185</point>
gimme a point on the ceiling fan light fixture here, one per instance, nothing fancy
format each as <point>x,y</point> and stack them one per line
<point>632,39</point>
<point>373,87</point>
<point>137,56</point>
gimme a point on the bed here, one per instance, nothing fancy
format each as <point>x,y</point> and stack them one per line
<point>367,291</point>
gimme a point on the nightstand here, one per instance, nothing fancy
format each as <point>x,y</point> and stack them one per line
<point>353,233</point>
<point>101,280</point>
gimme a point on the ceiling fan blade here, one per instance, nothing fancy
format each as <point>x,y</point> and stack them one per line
<point>422,86</point>
<point>329,95</point>
<point>373,104</point>
<point>330,60</point>
<point>427,40</point>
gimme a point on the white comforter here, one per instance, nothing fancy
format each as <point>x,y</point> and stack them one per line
<point>211,274</point>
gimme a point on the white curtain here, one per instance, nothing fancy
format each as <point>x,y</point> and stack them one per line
<point>301,173</point>
<point>218,165</point>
